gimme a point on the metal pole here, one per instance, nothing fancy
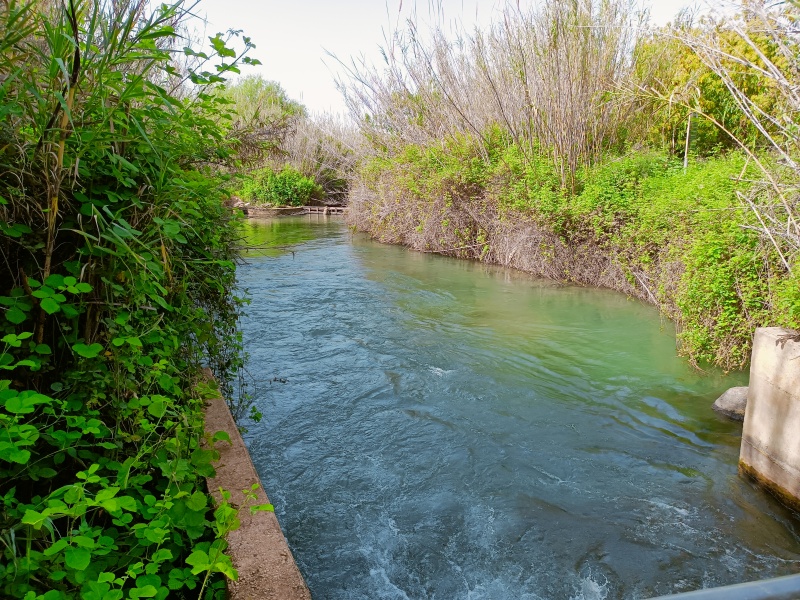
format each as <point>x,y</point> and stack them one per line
<point>780,588</point>
<point>686,149</point>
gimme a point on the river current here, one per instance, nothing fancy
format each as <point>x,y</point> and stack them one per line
<point>440,429</point>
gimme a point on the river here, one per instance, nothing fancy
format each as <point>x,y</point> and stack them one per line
<point>440,429</point>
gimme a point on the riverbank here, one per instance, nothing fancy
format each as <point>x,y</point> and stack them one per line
<point>270,212</point>
<point>638,224</point>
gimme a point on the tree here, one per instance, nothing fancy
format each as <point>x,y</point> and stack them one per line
<point>264,118</point>
<point>754,54</point>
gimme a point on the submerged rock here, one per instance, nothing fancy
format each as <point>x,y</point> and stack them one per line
<point>732,403</point>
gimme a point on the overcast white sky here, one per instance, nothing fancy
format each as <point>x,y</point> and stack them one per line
<point>292,36</point>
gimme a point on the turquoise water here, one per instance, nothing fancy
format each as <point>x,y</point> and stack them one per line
<point>441,429</point>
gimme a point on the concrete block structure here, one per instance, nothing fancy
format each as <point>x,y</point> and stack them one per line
<point>770,451</point>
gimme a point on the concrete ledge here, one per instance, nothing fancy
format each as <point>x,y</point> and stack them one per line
<point>256,212</point>
<point>770,451</point>
<point>258,549</point>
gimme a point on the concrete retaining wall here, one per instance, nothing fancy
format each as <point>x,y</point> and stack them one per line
<point>258,549</point>
<point>770,450</point>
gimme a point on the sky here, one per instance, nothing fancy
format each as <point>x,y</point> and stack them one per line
<point>295,38</point>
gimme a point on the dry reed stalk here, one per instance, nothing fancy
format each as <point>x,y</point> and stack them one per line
<point>326,148</point>
<point>548,76</point>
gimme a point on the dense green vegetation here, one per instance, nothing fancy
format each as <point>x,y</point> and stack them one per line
<point>289,157</point>
<point>116,287</point>
<point>286,187</point>
<point>265,123</point>
<point>661,164</point>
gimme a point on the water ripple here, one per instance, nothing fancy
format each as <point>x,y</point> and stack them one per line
<point>449,431</point>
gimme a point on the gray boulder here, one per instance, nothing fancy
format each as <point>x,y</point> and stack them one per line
<point>732,403</point>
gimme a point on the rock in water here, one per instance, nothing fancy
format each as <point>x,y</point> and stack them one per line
<point>732,403</point>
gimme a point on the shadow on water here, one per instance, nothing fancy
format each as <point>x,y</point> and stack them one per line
<point>451,430</point>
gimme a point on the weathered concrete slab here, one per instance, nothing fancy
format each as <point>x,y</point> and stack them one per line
<point>257,212</point>
<point>770,450</point>
<point>732,403</point>
<point>258,549</point>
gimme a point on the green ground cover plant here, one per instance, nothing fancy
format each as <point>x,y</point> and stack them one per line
<point>116,287</point>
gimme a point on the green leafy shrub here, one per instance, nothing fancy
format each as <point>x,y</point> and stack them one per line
<point>116,287</point>
<point>287,187</point>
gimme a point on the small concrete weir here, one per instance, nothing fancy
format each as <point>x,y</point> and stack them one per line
<point>269,212</point>
<point>770,451</point>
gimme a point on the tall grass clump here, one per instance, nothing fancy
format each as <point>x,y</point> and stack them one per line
<point>116,287</point>
<point>325,148</point>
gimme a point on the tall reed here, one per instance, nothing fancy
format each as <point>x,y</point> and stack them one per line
<point>549,76</point>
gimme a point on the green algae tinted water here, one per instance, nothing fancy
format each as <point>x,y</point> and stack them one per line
<point>448,430</point>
